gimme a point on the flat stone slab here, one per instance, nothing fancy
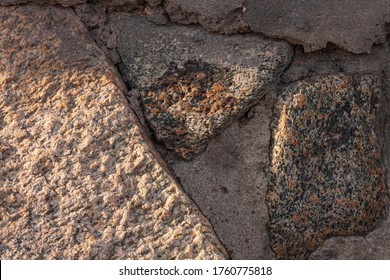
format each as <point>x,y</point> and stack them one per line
<point>65,3</point>
<point>194,84</point>
<point>223,17</point>
<point>228,183</point>
<point>354,25</point>
<point>373,246</point>
<point>326,176</point>
<point>78,177</point>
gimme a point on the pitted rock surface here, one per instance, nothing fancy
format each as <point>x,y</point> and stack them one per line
<point>65,3</point>
<point>193,84</point>
<point>375,245</point>
<point>353,25</point>
<point>215,16</point>
<point>78,177</point>
<point>326,175</point>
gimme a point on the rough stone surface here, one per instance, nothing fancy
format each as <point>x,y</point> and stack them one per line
<point>326,177</point>
<point>376,244</point>
<point>120,5</point>
<point>228,183</point>
<point>111,5</point>
<point>334,60</point>
<point>94,17</point>
<point>352,25</point>
<point>156,14</point>
<point>193,84</point>
<point>224,18</point>
<point>37,138</point>
<point>79,179</point>
<point>65,3</point>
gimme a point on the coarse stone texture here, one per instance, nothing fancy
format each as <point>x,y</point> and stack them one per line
<point>194,84</point>
<point>94,17</point>
<point>353,25</point>
<point>78,177</point>
<point>111,5</point>
<point>375,245</point>
<point>215,16</point>
<point>121,5</point>
<point>334,60</point>
<point>228,183</point>
<point>65,3</point>
<point>156,14</point>
<point>326,177</point>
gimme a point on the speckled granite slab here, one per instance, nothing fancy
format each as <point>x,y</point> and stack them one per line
<point>193,84</point>
<point>326,178</point>
<point>78,177</point>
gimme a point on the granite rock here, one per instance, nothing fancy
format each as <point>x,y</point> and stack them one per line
<point>193,84</point>
<point>375,245</point>
<point>326,176</point>
<point>78,177</point>
<point>120,5</point>
<point>353,25</point>
<point>156,14</point>
<point>65,3</point>
<point>94,17</point>
<point>334,60</point>
<point>226,18</point>
<point>110,5</point>
<point>228,182</point>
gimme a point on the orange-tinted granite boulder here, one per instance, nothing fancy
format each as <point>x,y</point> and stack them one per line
<point>193,84</point>
<point>326,176</point>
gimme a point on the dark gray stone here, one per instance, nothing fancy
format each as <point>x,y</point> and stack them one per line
<point>224,18</point>
<point>353,25</point>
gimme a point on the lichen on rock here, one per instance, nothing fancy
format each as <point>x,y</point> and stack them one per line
<point>187,106</point>
<point>326,176</point>
<point>194,84</point>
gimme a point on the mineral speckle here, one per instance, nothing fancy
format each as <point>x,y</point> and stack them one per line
<point>78,177</point>
<point>194,84</point>
<point>187,106</point>
<point>326,177</point>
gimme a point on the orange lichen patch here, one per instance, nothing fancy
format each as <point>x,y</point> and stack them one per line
<point>198,96</point>
<point>353,204</point>
<point>341,202</point>
<point>300,100</point>
<point>180,131</point>
<point>218,88</point>
<point>290,184</point>
<point>313,199</point>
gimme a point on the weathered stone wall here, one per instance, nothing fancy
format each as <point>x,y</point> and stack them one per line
<point>272,117</point>
<point>78,177</point>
